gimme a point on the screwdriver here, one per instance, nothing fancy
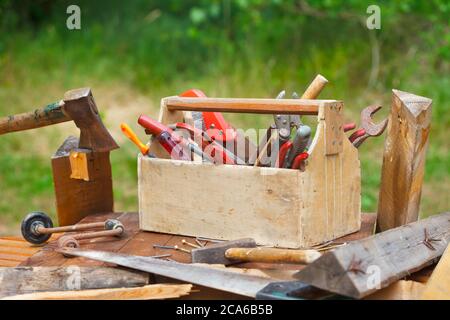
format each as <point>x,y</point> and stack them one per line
<point>127,131</point>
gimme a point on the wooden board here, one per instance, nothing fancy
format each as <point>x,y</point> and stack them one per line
<point>400,290</point>
<point>362,267</point>
<point>438,286</point>
<point>403,160</point>
<point>75,198</point>
<point>22,280</point>
<point>148,292</point>
<point>280,207</point>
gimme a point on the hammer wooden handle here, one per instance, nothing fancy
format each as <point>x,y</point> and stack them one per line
<point>316,86</point>
<point>272,255</point>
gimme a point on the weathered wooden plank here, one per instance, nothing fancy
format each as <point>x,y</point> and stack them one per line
<point>21,280</point>
<point>149,292</point>
<point>400,290</point>
<point>403,160</point>
<point>363,266</point>
<point>438,286</point>
<point>75,198</point>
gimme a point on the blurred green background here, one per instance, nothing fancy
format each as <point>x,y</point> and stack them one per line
<point>133,53</point>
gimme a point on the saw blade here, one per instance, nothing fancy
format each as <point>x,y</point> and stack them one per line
<point>224,280</point>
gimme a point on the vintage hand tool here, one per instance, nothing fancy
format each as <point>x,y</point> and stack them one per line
<point>245,250</point>
<point>214,124</point>
<point>284,149</point>
<point>220,279</point>
<point>368,127</point>
<point>299,161</point>
<point>78,105</point>
<point>301,140</point>
<point>37,227</point>
<point>209,146</point>
<point>286,122</point>
<point>113,228</point>
<point>129,133</point>
<point>164,135</point>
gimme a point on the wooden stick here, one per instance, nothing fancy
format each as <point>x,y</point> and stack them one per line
<point>403,160</point>
<point>244,105</point>
<point>438,286</point>
<point>268,146</point>
<point>364,266</point>
<point>149,292</point>
<point>316,86</point>
<point>22,280</point>
<point>272,255</point>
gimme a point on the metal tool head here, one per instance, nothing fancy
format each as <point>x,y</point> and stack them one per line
<point>215,254</point>
<point>80,106</point>
<point>367,123</point>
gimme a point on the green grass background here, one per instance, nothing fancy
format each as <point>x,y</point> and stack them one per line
<point>133,53</point>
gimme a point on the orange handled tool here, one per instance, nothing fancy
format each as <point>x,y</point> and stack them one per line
<point>133,137</point>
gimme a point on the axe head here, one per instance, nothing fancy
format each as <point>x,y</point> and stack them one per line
<point>80,106</point>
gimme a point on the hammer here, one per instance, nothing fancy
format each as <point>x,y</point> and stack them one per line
<point>245,250</point>
<point>77,105</point>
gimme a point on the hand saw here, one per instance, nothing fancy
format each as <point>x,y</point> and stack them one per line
<point>220,279</point>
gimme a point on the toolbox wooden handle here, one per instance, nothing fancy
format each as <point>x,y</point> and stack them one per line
<point>272,255</point>
<point>246,105</point>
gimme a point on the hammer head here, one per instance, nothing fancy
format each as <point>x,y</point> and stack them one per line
<point>215,254</point>
<point>80,106</point>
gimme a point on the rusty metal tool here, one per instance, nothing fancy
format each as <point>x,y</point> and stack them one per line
<point>113,228</point>
<point>220,279</point>
<point>245,250</point>
<point>77,105</point>
<point>368,127</point>
<point>37,227</point>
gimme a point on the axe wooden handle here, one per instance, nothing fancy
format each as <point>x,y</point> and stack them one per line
<point>51,114</point>
<point>272,255</point>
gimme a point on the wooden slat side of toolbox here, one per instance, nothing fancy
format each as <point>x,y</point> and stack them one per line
<point>277,207</point>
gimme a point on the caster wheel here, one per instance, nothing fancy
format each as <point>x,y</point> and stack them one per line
<point>110,223</point>
<point>30,224</point>
<point>113,224</point>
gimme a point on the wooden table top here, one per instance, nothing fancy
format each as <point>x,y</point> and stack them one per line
<point>17,252</point>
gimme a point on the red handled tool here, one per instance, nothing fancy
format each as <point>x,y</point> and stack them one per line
<point>209,145</point>
<point>164,135</point>
<point>284,149</point>
<point>212,122</point>
<point>368,127</point>
<point>299,159</point>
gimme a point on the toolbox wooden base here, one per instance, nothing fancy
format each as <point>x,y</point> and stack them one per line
<point>277,207</point>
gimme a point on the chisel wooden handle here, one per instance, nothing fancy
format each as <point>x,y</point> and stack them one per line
<point>272,255</point>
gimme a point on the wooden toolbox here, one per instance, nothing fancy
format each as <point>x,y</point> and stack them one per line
<point>278,207</point>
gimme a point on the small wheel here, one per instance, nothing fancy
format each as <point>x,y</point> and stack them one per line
<point>120,226</point>
<point>30,224</point>
<point>111,223</point>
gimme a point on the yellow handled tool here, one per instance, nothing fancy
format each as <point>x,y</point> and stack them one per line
<point>133,137</point>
